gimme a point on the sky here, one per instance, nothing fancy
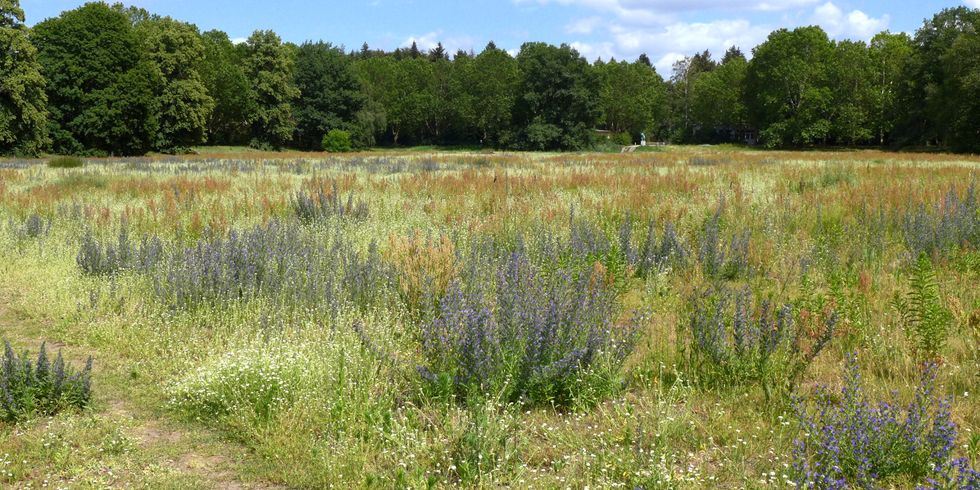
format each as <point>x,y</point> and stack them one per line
<point>665,30</point>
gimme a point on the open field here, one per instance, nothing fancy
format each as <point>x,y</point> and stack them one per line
<point>385,320</point>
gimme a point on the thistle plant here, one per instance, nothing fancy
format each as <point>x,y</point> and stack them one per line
<point>40,387</point>
<point>851,442</point>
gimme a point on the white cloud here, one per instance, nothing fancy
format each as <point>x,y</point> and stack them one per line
<point>972,3</point>
<point>690,37</point>
<point>604,50</point>
<point>647,11</point>
<point>854,24</point>
<point>665,64</point>
<point>425,41</point>
<point>674,41</point>
<point>238,40</point>
<point>583,26</point>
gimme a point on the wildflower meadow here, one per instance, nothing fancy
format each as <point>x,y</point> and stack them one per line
<point>687,317</point>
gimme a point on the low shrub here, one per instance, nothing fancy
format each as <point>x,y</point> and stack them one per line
<point>337,141</point>
<point>41,388</point>
<point>243,387</point>
<point>530,337</point>
<point>98,258</point>
<point>951,224</point>
<point>734,340</point>
<point>622,139</point>
<point>851,442</point>
<point>321,205</point>
<point>66,162</point>
<point>34,227</point>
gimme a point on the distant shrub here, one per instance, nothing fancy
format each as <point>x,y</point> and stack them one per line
<point>530,337</point>
<point>954,223</point>
<point>323,205</point>
<point>623,139</point>
<point>925,318</point>
<point>337,141</point>
<point>829,176</point>
<point>98,258</point>
<point>851,442</point>
<point>720,258</point>
<point>34,227</point>
<point>699,161</point>
<point>736,340</point>
<point>66,162</point>
<point>41,388</point>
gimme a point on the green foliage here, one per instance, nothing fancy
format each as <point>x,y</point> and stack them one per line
<point>330,94</point>
<point>851,76</point>
<point>337,141</point>
<point>890,57</point>
<point>925,317</point>
<point>942,93</point>
<point>40,388</point>
<point>631,97</point>
<point>224,79</point>
<point>270,68</point>
<point>182,103</point>
<point>66,162</point>
<point>101,89</point>
<point>23,102</point>
<point>685,73</point>
<point>558,98</point>
<point>622,139</point>
<point>718,99</point>
<point>486,94</point>
<point>406,90</point>
<point>787,87</point>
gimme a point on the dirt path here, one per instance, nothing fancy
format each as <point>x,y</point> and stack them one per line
<point>119,441</point>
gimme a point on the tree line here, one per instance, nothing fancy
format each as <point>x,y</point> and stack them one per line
<point>113,80</point>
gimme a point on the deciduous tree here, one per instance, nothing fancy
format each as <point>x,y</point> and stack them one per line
<point>329,93</point>
<point>23,102</point>
<point>269,67</point>
<point>557,106</point>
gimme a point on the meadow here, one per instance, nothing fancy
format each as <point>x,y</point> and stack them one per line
<point>692,317</point>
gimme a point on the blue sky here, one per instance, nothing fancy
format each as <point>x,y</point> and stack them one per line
<point>664,29</point>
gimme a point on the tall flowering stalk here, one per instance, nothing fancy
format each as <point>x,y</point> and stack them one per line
<point>953,223</point>
<point>529,335</point>
<point>734,339</point>
<point>851,442</point>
